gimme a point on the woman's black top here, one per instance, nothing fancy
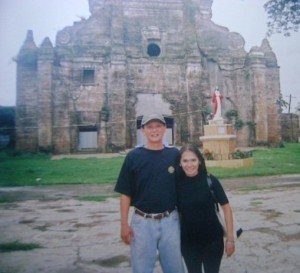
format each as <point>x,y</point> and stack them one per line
<point>199,223</point>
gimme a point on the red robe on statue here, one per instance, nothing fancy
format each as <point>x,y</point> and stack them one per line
<point>215,101</point>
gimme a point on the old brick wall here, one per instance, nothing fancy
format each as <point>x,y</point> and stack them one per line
<point>92,79</point>
<point>290,127</point>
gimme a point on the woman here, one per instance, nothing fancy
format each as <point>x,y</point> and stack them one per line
<point>202,235</point>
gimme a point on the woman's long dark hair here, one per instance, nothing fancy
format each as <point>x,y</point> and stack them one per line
<point>194,149</point>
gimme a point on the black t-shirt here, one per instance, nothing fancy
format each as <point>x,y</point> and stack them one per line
<point>148,177</point>
<point>199,223</point>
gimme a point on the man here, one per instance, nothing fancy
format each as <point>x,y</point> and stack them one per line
<point>147,182</point>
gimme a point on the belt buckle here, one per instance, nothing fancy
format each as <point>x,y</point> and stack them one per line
<point>157,216</point>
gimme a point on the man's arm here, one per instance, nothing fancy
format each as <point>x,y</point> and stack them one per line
<point>126,231</point>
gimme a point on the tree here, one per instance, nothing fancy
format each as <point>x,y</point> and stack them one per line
<point>283,16</point>
<point>7,123</point>
<point>7,117</point>
<point>282,103</point>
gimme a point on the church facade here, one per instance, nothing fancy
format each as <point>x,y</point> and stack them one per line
<point>129,58</point>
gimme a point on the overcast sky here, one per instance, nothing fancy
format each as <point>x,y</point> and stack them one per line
<point>45,18</point>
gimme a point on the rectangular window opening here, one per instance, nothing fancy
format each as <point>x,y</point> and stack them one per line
<point>88,77</point>
<point>88,139</point>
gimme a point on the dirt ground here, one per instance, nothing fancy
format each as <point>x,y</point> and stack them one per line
<point>83,236</point>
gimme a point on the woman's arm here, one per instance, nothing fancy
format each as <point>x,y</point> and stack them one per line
<point>229,244</point>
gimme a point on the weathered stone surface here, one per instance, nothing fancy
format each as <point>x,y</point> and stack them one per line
<point>290,127</point>
<point>126,49</point>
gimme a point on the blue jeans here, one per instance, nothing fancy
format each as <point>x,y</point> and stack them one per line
<point>152,236</point>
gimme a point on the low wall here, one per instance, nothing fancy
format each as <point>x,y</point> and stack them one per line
<point>231,163</point>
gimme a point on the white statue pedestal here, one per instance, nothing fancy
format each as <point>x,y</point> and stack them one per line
<point>219,139</point>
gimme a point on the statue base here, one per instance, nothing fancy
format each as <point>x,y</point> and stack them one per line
<point>219,139</point>
<point>231,163</point>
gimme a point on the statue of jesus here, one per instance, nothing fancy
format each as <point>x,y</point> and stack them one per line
<point>217,101</point>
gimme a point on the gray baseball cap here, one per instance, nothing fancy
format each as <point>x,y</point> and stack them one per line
<point>148,118</point>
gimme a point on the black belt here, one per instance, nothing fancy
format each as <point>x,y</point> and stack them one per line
<point>156,216</point>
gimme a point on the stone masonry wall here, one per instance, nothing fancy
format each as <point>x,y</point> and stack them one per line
<point>91,79</point>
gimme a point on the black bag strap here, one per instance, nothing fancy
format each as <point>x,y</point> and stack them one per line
<point>211,188</point>
<point>239,231</point>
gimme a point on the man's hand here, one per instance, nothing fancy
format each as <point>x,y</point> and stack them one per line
<point>126,234</point>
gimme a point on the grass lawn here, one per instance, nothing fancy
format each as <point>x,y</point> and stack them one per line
<point>275,161</point>
<point>41,170</point>
<point>17,246</point>
<point>32,170</point>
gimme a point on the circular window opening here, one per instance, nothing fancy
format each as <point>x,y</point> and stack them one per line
<point>153,50</point>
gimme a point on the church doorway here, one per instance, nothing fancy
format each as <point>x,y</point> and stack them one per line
<point>88,138</point>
